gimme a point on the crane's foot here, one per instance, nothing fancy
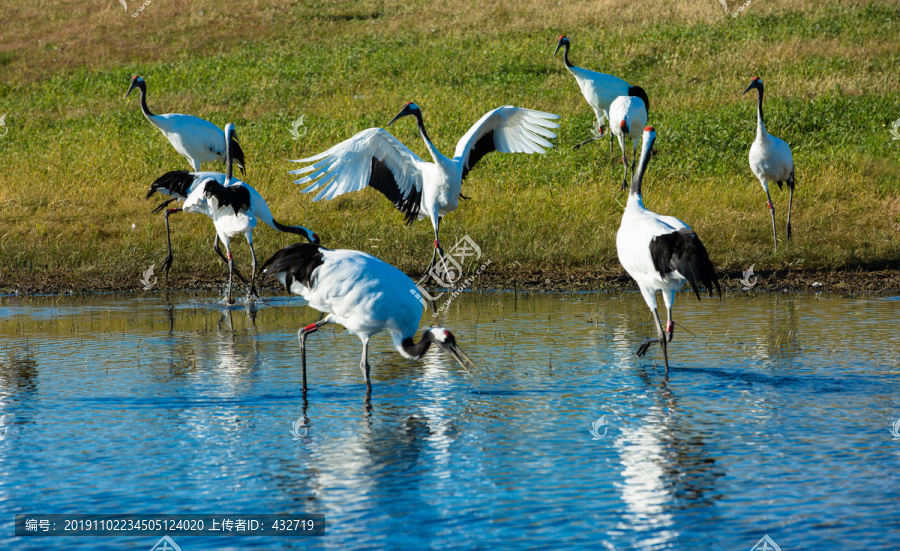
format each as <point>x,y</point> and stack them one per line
<point>252,295</point>
<point>167,263</point>
<point>162,205</point>
<point>642,349</point>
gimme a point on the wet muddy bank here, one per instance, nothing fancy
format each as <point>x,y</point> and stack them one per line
<point>495,278</point>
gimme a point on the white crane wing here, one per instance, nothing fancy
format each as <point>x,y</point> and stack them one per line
<point>372,158</point>
<point>506,129</point>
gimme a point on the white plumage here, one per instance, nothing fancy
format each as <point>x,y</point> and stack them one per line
<point>418,188</point>
<point>599,90</point>
<point>771,160</point>
<point>362,293</point>
<point>627,118</point>
<point>234,207</point>
<point>661,253</point>
<point>198,140</point>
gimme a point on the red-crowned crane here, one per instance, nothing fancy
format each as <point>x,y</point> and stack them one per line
<point>233,205</point>
<point>364,294</point>
<point>661,253</point>
<point>198,140</point>
<point>599,89</point>
<point>417,188</point>
<point>770,160</point>
<point>627,116</point>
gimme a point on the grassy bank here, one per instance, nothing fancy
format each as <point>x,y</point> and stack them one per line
<point>77,157</point>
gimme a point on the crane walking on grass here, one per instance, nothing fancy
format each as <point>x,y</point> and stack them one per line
<point>771,160</point>
<point>627,116</point>
<point>599,90</point>
<point>661,253</point>
<point>198,140</point>
<point>234,207</point>
<point>362,293</point>
<point>417,188</point>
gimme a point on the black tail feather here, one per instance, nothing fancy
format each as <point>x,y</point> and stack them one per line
<point>682,251</point>
<point>639,92</point>
<point>297,261</point>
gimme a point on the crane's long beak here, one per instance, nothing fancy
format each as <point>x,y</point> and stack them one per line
<point>751,87</point>
<point>464,361</point>
<point>130,88</point>
<point>558,46</point>
<point>404,112</point>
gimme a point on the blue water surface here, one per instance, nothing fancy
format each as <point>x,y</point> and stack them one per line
<point>774,419</point>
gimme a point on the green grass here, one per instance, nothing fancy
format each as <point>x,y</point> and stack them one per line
<point>78,157</point>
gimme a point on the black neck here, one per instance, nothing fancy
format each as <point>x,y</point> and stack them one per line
<point>421,124</point>
<point>144,107</point>
<point>638,175</point>
<point>566,55</point>
<point>228,157</point>
<point>417,350</point>
<point>759,109</point>
<point>299,230</point>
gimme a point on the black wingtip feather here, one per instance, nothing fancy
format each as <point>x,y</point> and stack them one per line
<point>483,146</point>
<point>382,179</point>
<point>682,251</point>
<point>176,183</point>
<point>298,261</point>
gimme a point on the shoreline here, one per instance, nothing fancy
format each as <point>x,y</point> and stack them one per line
<point>505,279</point>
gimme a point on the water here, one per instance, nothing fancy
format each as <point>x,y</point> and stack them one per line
<point>774,419</point>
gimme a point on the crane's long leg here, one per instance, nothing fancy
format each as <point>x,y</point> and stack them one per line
<point>610,140</point>
<point>228,298</point>
<point>438,252</point>
<point>596,136</point>
<point>589,140</point>
<point>301,336</point>
<point>661,340</point>
<point>364,364</point>
<point>225,260</point>
<point>252,292</point>
<point>772,213</point>
<point>167,263</point>
<point>790,204</point>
